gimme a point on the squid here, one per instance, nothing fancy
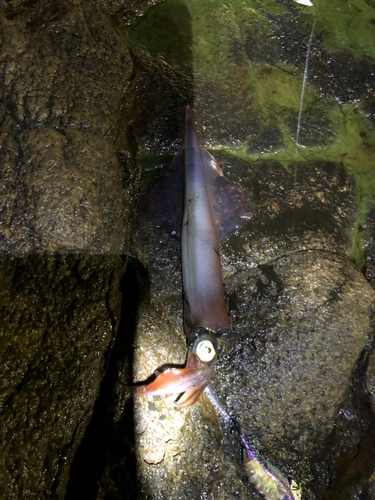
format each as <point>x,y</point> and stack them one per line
<point>213,208</point>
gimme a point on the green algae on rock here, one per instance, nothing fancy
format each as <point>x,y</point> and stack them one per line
<point>247,63</point>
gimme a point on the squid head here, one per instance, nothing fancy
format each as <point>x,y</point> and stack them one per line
<point>191,380</point>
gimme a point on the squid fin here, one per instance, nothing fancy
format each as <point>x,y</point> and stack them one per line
<point>164,203</point>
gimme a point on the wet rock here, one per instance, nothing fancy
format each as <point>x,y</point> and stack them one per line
<point>369,231</point>
<point>370,378</point>
<point>292,367</point>
<point>156,95</point>
<point>62,97</point>
<point>68,191</point>
<point>368,490</point>
<point>294,338</point>
<point>60,317</point>
<point>266,27</point>
<point>299,207</point>
<point>235,121</point>
<point>313,129</point>
<point>277,38</point>
<point>348,460</point>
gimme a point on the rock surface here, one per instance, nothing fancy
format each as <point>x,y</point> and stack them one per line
<point>81,106</point>
<point>292,368</point>
<point>286,367</point>
<point>60,316</point>
<point>67,192</point>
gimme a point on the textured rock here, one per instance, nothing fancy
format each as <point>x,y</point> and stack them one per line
<point>61,315</point>
<point>370,378</point>
<point>298,332</point>
<point>67,192</point>
<point>78,112</point>
<point>63,182</point>
<point>293,367</point>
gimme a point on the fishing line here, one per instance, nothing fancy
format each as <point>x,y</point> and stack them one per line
<point>220,410</point>
<point>265,477</point>
<point>299,119</point>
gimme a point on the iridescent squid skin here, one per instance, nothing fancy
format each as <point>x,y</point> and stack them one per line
<point>266,478</point>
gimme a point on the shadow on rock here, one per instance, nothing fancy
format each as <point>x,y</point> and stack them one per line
<point>105,463</point>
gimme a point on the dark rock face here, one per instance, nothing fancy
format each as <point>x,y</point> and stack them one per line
<point>298,331</point>
<point>61,315</point>
<point>300,327</point>
<point>67,193</point>
<point>63,181</point>
<point>80,109</point>
<point>369,231</point>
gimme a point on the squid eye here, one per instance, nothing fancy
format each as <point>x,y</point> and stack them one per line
<point>205,351</point>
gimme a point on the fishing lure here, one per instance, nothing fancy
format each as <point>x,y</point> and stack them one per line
<point>213,208</point>
<point>266,478</point>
